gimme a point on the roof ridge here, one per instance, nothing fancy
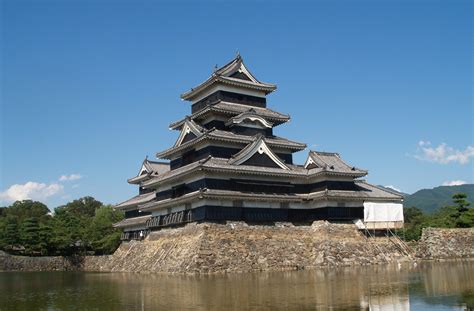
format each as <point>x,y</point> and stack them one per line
<point>325,153</point>
<point>158,162</point>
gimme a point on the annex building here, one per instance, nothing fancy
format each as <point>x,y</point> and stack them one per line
<point>227,164</point>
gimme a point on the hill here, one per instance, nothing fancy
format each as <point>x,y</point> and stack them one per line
<point>430,200</point>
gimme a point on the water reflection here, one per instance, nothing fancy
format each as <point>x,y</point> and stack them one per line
<point>427,286</point>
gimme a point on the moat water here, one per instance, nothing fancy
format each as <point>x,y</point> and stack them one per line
<point>426,286</point>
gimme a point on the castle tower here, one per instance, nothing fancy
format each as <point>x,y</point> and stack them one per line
<point>228,164</point>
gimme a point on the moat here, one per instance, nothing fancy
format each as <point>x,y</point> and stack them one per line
<point>425,286</point>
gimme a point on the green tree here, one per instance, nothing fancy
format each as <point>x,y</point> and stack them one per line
<point>83,207</point>
<point>103,237</point>
<point>460,199</point>
<point>11,236</point>
<point>415,221</point>
<point>465,214</point>
<point>68,233</point>
<point>26,209</point>
<point>458,215</point>
<point>29,234</point>
<point>74,228</point>
<point>466,220</point>
<point>45,237</point>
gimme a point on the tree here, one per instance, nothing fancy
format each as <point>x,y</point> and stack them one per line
<point>11,236</point>
<point>29,234</point>
<point>84,207</point>
<point>79,226</point>
<point>454,216</point>
<point>26,209</point>
<point>103,237</point>
<point>414,222</point>
<point>68,232</point>
<point>466,220</point>
<point>465,215</point>
<point>45,237</point>
<point>461,203</point>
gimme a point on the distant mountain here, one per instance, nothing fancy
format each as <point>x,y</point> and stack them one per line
<point>429,200</point>
<point>393,190</point>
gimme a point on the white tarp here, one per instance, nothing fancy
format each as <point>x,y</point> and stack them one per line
<point>383,212</point>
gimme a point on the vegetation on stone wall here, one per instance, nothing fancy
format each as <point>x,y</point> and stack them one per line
<point>79,227</point>
<point>458,215</point>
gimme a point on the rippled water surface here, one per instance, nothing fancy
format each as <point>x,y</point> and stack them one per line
<point>427,286</point>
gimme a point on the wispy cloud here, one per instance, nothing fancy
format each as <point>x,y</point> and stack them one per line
<point>443,154</point>
<point>31,190</point>
<point>70,177</point>
<point>393,188</point>
<point>454,183</point>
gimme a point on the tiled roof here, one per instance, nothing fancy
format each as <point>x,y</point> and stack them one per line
<point>233,109</point>
<point>366,191</point>
<point>331,161</point>
<point>224,75</point>
<point>220,194</point>
<point>152,168</point>
<point>228,136</point>
<point>139,199</point>
<point>129,222</point>
<point>158,167</point>
<point>222,165</point>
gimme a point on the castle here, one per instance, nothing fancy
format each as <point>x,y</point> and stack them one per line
<point>227,165</point>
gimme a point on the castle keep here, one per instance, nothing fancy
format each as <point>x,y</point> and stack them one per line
<point>228,165</point>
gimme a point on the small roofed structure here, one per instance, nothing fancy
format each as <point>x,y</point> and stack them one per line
<point>134,224</point>
<point>227,164</point>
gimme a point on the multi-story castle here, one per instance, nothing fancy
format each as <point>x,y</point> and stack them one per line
<point>227,164</point>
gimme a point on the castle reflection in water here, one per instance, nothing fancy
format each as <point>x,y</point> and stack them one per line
<point>443,286</point>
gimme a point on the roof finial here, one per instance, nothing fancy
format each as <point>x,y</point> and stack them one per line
<point>238,54</point>
<point>215,68</point>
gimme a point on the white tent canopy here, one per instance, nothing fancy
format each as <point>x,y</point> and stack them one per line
<point>379,215</point>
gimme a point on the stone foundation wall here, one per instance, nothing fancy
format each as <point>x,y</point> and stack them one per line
<point>437,243</point>
<point>24,263</point>
<point>232,247</point>
<point>238,247</point>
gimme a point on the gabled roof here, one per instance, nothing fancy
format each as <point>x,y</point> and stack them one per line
<point>226,136</point>
<point>233,109</point>
<point>222,165</point>
<point>250,115</point>
<point>236,67</point>
<point>188,127</point>
<point>234,73</point>
<point>329,161</point>
<point>148,170</point>
<point>257,146</point>
<point>138,199</point>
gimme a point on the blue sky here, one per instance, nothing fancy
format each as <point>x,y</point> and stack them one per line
<point>89,87</point>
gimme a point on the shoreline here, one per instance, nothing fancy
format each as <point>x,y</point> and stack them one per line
<point>210,248</point>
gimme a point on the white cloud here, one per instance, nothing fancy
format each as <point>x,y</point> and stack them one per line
<point>70,177</point>
<point>443,154</point>
<point>454,183</point>
<point>30,190</point>
<point>393,188</point>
